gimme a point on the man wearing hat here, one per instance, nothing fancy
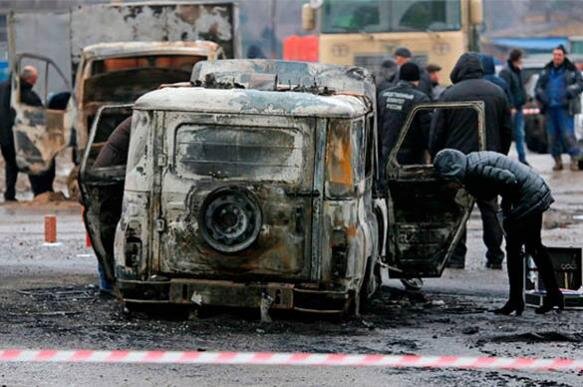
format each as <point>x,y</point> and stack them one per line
<point>433,71</point>
<point>394,106</point>
<point>403,55</point>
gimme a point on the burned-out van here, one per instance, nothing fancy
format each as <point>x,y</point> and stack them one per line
<point>255,187</point>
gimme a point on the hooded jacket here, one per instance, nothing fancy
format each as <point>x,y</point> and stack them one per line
<point>490,74</point>
<point>458,129</point>
<point>573,82</point>
<point>488,174</point>
<point>513,76</point>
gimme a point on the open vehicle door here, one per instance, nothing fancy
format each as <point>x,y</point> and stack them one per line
<point>102,188</point>
<point>427,214</point>
<point>40,130</point>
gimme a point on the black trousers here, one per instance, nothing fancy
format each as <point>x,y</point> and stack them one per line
<point>38,183</point>
<point>11,170</point>
<point>44,182</point>
<point>492,234</point>
<point>526,232</point>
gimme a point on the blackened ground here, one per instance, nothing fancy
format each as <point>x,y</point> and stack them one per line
<point>49,299</point>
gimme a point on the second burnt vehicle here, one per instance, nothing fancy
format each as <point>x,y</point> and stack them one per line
<point>145,44</point>
<point>256,187</point>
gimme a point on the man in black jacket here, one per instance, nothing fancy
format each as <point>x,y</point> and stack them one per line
<point>458,129</point>
<point>394,104</point>
<point>512,74</point>
<point>525,196</point>
<point>28,78</point>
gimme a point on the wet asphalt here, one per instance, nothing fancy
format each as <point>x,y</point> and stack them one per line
<point>49,300</point>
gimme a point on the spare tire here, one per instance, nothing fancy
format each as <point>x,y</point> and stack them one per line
<point>230,219</point>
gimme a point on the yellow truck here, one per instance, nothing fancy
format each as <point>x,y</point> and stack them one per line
<point>367,32</point>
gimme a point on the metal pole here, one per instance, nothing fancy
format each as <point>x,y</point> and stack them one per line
<point>272,10</point>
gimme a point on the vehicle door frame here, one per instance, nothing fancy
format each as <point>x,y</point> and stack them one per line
<point>92,228</point>
<point>396,171</point>
<point>28,117</point>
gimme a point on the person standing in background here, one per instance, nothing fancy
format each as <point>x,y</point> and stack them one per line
<point>558,90</point>
<point>459,130</point>
<point>394,105</point>
<point>512,74</point>
<point>403,55</point>
<point>436,88</point>
<point>28,78</point>
<point>490,74</point>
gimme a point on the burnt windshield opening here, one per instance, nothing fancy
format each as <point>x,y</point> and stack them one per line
<point>239,152</point>
<point>125,79</point>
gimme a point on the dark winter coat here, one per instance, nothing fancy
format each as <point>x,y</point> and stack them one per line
<point>513,77</point>
<point>424,82</point>
<point>490,74</point>
<point>394,104</point>
<point>486,175</point>
<point>458,129</point>
<point>27,97</point>
<point>573,82</point>
<point>115,151</point>
<point>5,114</point>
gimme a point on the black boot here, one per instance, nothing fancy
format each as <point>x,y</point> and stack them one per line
<point>514,264</point>
<point>550,301</point>
<point>516,306</point>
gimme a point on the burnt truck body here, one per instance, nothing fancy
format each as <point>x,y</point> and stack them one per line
<point>143,46</point>
<point>257,187</point>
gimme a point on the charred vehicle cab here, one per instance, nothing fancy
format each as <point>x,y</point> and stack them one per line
<point>255,188</point>
<point>108,73</point>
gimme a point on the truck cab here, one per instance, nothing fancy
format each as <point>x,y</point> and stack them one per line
<point>257,187</point>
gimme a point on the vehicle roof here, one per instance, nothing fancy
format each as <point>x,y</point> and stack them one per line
<point>296,75</point>
<point>122,49</point>
<point>248,101</point>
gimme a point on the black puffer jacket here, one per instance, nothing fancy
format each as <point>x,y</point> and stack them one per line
<point>458,129</point>
<point>394,104</point>
<point>488,174</point>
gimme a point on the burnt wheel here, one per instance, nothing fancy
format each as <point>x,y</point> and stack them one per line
<point>230,219</point>
<point>414,284</point>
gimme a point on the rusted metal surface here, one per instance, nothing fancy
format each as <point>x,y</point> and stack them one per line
<point>207,164</point>
<point>93,91</point>
<point>155,21</point>
<point>190,143</point>
<point>426,214</point>
<point>39,133</point>
<point>123,49</point>
<point>293,76</point>
<point>102,188</point>
<point>196,29</point>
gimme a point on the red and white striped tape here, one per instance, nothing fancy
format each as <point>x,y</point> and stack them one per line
<point>292,359</point>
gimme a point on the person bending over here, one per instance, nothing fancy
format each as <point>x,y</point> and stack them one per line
<point>525,196</point>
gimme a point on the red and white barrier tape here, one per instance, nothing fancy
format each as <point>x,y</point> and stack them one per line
<point>292,359</point>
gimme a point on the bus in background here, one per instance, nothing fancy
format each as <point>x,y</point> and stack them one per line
<point>367,32</point>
